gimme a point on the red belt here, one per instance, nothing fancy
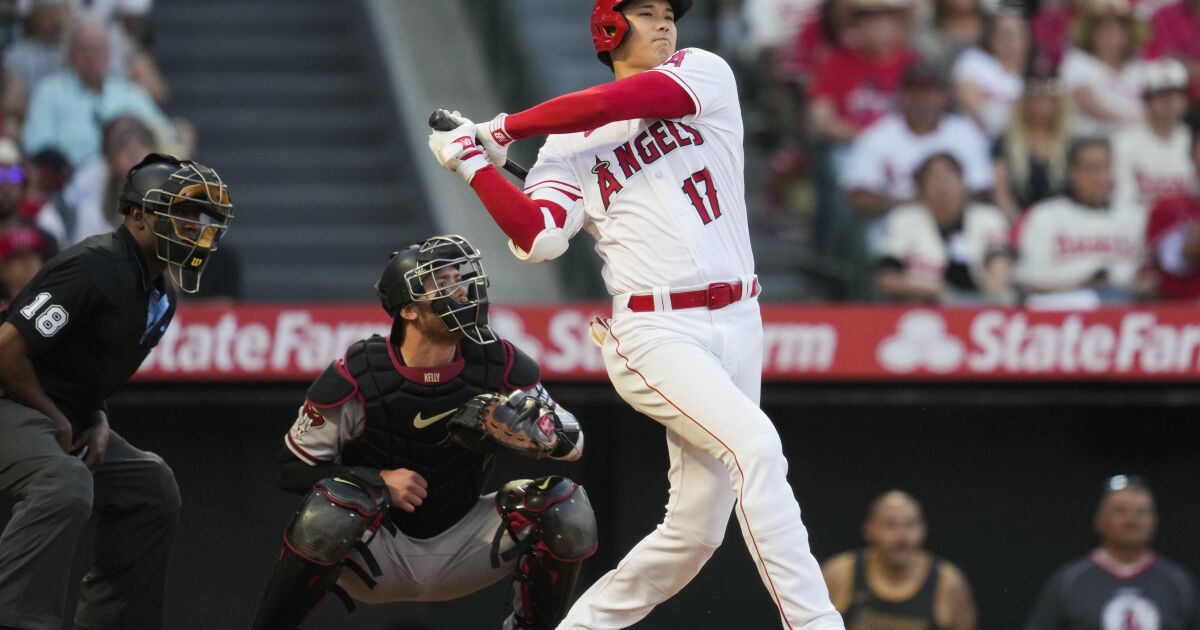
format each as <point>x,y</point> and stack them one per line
<point>716,295</point>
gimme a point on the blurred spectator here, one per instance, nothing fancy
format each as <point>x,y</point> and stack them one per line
<point>1151,158</point>
<point>879,169</point>
<point>89,202</point>
<point>957,25</point>
<point>1030,159</point>
<point>68,108</point>
<point>46,174</point>
<point>1049,26</point>
<point>1173,239</point>
<point>39,52</point>
<point>943,248</point>
<point>987,81</point>
<point>895,584</point>
<point>131,15</point>
<point>1123,584</point>
<point>1100,73</point>
<point>1081,246</point>
<point>23,251</point>
<point>12,184</point>
<point>12,104</point>
<point>818,39</point>
<point>1175,32</point>
<point>857,85</point>
<point>774,23</point>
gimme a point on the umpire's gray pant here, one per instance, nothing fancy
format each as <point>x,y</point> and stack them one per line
<point>136,502</point>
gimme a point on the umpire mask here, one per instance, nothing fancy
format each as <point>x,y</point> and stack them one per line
<point>424,272</point>
<point>191,211</point>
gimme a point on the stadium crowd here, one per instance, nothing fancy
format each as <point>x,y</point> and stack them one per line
<point>81,101</point>
<point>975,151</point>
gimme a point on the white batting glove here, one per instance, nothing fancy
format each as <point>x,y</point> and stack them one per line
<point>457,151</point>
<point>494,139</point>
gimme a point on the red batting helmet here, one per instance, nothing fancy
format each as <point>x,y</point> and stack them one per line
<point>609,24</point>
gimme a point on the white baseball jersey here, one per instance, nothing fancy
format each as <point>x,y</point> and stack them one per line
<point>1063,244</point>
<point>1149,168</point>
<point>911,236</point>
<point>885,155</point>
<point>664,199</point>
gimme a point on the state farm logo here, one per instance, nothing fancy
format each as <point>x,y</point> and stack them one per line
<point>920,341</point>
<point>1021,343</point>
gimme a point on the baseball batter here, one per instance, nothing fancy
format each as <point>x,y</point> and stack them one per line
<point>651,166</point>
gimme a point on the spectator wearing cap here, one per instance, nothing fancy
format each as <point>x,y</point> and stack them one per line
<point>23,251</point>
<point>1100,73</point>
<point>68,109</point>
<point>1175,32</point>
<point>988,80</point>
<point>1030,159</point>
<point>943,248</point>
<point>1079,249</point>
<point>39,52</point>
<point>1123,584</point>
<point>46,173</point>
<point>1151,158</point>
<point>879,170</point>
<point>956,26</point>
<point>1173,240</point>
<point>89,202</point>
<point>857,85</point>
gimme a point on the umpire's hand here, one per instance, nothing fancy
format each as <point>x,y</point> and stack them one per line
<point>406,489</point>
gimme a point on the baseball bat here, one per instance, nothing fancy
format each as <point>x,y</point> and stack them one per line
<point>441,120</point>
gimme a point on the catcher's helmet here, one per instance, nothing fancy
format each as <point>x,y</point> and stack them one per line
<point>190,207</point>
<point>411,276</point>
<point>609,25</point>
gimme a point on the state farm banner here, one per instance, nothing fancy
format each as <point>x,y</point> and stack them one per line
<point>801,343</point>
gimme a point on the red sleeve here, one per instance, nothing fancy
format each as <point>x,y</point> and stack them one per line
<point>644,95</point>
<point>520,217</point>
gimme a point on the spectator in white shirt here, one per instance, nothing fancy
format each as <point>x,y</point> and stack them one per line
<point>943,248</point>
<point>1082,243</point>
<point>88,204</point>
<point>38,53</point>
<point>1100,73</point>
<point>878,173</point>
<point>1151,158</point>
<point>988,81</point>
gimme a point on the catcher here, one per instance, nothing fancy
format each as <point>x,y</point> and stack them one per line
<point>393,446</point>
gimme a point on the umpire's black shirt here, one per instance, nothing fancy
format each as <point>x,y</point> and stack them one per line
<point>91,315</point>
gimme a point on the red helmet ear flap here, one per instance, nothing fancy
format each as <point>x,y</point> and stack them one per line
<point>608,28</point>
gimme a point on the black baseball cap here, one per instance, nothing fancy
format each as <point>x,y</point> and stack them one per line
<point>922,74</point>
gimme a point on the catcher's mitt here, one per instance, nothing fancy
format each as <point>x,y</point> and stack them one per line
<point>518,422</point>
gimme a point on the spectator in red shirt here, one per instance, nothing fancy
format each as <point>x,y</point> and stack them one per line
<point>1173,241</point>
<point>1049,28</point>
<point>818,40</point>
<point>1175,32</point>
<point>23,251</point>
<point>857,86</point>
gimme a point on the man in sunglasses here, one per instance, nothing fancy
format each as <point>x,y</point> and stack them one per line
<point>73,336</point>
<point>1122,584</point>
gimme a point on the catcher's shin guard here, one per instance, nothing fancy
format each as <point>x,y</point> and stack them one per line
<point>555,527</point>
<point>338,514</point>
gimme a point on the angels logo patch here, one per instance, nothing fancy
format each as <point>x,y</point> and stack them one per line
<point>310,418</point>
<point>1130,611</point>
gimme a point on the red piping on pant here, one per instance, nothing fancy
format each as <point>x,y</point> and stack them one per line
<point>742,481</point>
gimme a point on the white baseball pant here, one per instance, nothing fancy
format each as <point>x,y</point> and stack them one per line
<point>698,373</point>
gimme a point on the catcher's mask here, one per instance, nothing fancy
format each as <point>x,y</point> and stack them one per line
<point>191,211</point>
<point>412,276</point>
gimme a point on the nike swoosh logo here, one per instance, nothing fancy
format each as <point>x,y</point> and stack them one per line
<point>421,423</point>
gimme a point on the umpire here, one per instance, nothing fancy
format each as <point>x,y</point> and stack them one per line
<point>70,339</point>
